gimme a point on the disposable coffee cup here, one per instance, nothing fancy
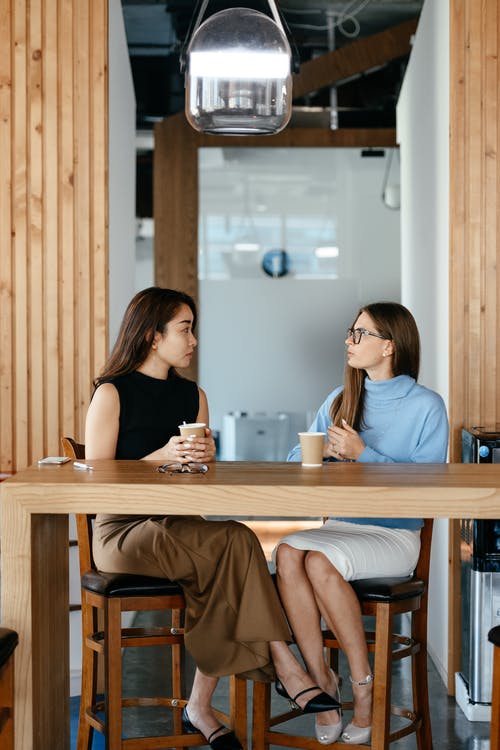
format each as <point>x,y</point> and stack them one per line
<point>311,446</point>
<point>194,429</point>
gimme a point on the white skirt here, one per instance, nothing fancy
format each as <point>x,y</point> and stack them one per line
<point>360,551</point>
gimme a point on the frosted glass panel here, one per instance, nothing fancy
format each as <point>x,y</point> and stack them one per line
<point>256,201</point>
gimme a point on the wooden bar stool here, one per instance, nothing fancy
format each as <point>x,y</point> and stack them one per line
<point>8,642</point>
<point>494,638</point>
<point>104,597</point>
<point>382,598</point>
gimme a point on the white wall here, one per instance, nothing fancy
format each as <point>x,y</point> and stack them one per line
<point>272,344</point>
<point>121,244</point>
<point>121,172</point>
<point>423,126</point>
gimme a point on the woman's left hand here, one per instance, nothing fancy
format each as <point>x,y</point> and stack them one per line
<point>200,449</point>
<point>344,443</point>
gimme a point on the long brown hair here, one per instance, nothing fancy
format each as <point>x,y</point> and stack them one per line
<point>149,311</point>
<point>394,322</point>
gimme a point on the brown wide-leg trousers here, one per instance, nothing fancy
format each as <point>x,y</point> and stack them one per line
<point>232,608</point>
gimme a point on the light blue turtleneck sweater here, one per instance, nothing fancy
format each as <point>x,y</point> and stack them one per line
<point>403,422</point>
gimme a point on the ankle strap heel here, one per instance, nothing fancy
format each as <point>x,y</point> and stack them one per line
<point>366,681</point>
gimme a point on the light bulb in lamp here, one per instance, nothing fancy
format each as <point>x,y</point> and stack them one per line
<point>238,75</point>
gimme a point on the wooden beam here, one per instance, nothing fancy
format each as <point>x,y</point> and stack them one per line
<point>308,138</point>
<point>359,57</point>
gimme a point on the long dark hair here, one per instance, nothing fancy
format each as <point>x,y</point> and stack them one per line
<point>394,322</point>
<point>149,311</point>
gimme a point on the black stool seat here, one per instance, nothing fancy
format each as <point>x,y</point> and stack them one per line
<point>388,589</point>
<point>121,584</point>
<point>8,642</point>
<point>494,636</point>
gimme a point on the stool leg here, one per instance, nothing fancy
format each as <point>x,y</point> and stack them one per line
<point>113,674</point>
<point>382,684</point>
<point>7,705</point>
<point>419,680</point>
<point>495,702</point>
<point>261,715</point>
<point>238,708</point>
<point>177,673</point>
<point>89,677</point>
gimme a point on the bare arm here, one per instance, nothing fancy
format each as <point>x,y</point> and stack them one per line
<point>102,423</point>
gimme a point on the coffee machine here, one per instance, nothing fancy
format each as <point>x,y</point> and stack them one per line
<point>480,586</point>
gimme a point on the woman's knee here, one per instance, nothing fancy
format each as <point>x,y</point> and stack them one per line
<point>319,569</point>
<point>288,561</point>
<point>242,535</point>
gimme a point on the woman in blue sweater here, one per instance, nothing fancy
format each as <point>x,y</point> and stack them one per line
<point>380,414</point>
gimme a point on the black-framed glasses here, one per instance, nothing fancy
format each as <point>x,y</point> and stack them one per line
<point>356,333</point>
<point>178,468</point>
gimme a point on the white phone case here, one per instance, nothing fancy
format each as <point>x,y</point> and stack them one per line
<point>54,460</point>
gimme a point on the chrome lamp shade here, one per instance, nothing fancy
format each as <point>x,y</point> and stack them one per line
<point>238,75</point>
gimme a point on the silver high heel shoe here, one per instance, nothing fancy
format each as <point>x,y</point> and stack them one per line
<point>327,734</point>
<point>353,735</point>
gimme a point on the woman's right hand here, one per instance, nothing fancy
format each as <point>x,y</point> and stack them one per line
<point>176,450</point>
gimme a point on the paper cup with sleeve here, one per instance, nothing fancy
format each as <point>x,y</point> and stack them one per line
<point>311,447</point>
<point>193,429</point>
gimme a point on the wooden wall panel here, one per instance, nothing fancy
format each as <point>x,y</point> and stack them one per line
<point>53,220</point>
<point>474,224</point>
<point>474,246</point>
<point>6,267</point>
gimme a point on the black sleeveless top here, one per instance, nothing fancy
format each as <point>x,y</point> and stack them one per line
<point>151,410</point>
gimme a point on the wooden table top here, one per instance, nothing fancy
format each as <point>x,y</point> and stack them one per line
<point>262,489</point>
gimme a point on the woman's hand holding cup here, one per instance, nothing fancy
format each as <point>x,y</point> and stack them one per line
<point>198,442</point>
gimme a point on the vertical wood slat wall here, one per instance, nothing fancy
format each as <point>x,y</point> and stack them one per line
<point>474,248</point>
<point>53,220</point>
<point>474,217</point>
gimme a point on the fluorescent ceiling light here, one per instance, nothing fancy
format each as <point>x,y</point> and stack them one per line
<point>328,251</point>
<point>246,247</point>
<point>239,64</point>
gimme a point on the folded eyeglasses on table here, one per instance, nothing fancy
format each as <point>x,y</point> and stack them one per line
<point>178,468</point>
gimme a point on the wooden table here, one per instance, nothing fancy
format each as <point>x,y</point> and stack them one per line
<point>34,539</point>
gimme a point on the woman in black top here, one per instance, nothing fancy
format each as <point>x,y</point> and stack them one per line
<point>234,623</point>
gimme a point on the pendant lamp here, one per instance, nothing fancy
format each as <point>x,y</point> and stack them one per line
<point>238,73</point>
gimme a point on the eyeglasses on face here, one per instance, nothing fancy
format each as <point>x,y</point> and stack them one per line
<point>178,468</point>
<point>356,333</point>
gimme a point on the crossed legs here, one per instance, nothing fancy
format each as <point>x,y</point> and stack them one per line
<point>288,670</point>
<point>311,588</point>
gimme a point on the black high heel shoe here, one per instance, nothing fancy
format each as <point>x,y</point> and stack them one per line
<point>227,741</point>
<point>320,702</point>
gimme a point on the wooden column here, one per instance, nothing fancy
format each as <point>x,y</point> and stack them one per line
<point>474,243</point>
<point>474,220</point>
<point>53,220</point>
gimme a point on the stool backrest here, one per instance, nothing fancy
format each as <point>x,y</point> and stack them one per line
<point>75,450</point>
<point>424,560</point>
